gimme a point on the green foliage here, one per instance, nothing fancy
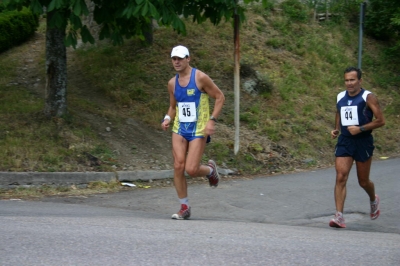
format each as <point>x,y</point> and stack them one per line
<point>16,27</point>
<point>295,10</point>
<point>121,19</point>
<point>344,9</point>
<point>393,54</point>
<point>383,23</point>
<point>381,19</point>
<point>265,8</point>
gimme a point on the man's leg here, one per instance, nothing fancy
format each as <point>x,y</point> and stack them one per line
<point>193,159</point>
<point>179,150</point>
<point>343,166</point>
<point>363,170</point>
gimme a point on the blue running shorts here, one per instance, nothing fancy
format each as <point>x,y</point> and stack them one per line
<point>361,149</point>
<point>189,138</point>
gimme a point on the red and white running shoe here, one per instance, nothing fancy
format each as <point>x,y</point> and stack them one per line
<point>213,179</point>
<point>183,213</point>
<point>337,221</point>
<point>375,208</point>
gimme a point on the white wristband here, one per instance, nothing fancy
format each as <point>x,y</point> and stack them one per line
<point>167,117</point>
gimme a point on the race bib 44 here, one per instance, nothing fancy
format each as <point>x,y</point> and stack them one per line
<point>349,116</point>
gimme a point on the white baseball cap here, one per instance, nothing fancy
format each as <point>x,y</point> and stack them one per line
<point>180,51</point>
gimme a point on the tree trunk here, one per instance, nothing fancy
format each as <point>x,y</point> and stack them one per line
<point>56,71</point>
<point>148,33</point>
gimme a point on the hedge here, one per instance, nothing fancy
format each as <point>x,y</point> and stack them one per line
<point>16,27</point>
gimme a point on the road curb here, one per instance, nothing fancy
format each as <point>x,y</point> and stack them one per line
<point>144,175</point>
<point>13,179</point>
<point>9,179</point>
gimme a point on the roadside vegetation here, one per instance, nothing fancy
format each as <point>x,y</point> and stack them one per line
<point>300,63</point>
<point>37,192</point>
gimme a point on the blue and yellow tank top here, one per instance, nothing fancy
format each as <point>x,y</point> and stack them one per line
<point>192,108</point>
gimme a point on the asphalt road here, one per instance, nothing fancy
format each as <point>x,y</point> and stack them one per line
<point>278,220</point>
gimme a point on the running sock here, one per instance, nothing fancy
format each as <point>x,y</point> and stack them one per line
<point>184,201</point>
<point>211,171</point>
<point>339,213</point>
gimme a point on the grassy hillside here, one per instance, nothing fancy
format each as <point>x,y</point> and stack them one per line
<point>285,124</point>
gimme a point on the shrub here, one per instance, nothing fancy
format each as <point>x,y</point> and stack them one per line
<point>16,27</point>
<point>295,10</point>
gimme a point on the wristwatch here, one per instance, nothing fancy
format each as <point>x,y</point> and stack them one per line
<point>213,118</point>
<point>362,129</point>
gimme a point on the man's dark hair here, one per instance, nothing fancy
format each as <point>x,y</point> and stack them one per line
<point>351,69</point>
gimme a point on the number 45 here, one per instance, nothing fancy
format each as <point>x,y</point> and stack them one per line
<point>186,111</point>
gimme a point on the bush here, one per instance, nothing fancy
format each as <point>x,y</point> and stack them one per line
<point>381,17</point>
<point>16,27</point>
<point>295,10</point>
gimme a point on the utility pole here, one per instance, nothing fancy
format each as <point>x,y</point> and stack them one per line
<point>360,35</point>
<point>236,83</point>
